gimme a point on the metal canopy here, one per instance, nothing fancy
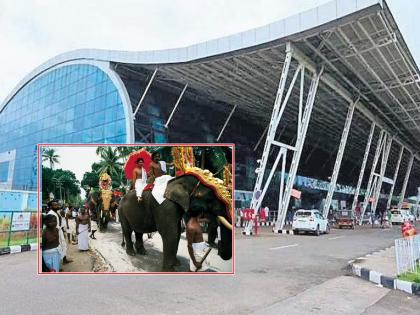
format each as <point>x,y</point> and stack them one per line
<point>365,54</point>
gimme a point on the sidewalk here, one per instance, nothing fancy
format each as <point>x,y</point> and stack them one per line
<point>381,268</point>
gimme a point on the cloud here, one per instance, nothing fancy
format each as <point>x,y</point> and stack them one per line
<point>32,32</point>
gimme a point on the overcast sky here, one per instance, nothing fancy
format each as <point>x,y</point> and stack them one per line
<point>33,31</point>
<point>76,159</point>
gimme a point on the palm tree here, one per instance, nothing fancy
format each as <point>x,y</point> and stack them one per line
<point>109,162</point>
<point>100,150</point>
<point>51,156</point>
<point>124,152</point>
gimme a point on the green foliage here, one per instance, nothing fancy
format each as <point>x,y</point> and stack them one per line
<point>109,162</point>
<point>50,156</point>
<point>90,180</point>
<point>53,179</point>
<point>411,276</point>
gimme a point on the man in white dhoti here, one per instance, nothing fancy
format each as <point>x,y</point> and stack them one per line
<point>197,248</point>
<point>139,179</point>
<point>54,207</point>
<point>82,230</point>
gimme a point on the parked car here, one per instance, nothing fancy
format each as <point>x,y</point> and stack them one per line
<point>345,218</point>
<point>310,221</point>
<point>398,216</point>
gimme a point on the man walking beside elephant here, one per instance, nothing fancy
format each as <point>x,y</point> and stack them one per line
<point>197,248</point>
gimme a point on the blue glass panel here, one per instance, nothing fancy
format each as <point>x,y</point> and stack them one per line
<point>4,171</point>
<point>74,103</point>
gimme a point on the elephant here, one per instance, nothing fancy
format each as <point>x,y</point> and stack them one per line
<point>101,204</point>
<point>183,193</point>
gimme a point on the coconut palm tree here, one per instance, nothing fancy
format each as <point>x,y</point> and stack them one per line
<point>51,156</point>
<point>109,162</point>
<point>100,150</point>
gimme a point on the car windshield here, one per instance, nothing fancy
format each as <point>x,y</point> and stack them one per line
<point>303,213</point>
<point>345,214</point>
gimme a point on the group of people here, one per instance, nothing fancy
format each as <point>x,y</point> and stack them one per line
<point>60,228</point>
<point>141,178</point>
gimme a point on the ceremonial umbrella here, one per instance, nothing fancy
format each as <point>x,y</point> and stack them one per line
<point>131,163</point>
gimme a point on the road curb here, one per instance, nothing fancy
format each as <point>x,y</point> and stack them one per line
<point>18,249</point>
<point>284,232</point>
<point>385,281</point>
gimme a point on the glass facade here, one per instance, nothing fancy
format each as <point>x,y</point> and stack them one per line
<point>71,104</point>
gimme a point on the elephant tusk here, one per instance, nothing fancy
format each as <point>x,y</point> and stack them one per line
<point>225,222</point>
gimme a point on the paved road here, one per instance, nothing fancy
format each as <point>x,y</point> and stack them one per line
<point>108,244</point>
<point>274,273</point>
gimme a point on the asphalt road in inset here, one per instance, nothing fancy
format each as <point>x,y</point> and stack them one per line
<point>282,274</point>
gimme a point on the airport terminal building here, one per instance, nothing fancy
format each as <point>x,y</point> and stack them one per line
<point>345,89</point>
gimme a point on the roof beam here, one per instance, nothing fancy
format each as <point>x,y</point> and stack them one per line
<point>335,86</point>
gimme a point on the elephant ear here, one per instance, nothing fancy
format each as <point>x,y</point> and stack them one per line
<point>177,193</point>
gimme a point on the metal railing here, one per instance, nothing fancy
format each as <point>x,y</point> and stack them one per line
<point>10,237</point>
<point>407,252</point>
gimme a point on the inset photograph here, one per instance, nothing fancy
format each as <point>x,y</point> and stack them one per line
<point>136,209</point>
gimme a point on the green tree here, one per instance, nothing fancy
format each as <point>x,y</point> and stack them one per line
<point>51,156</point>
<point>109,162</point>
<point>90,180</point>
<point>62,183</point>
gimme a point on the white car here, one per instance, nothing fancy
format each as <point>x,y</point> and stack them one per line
<point>401,216</point>
<point>310,221</point>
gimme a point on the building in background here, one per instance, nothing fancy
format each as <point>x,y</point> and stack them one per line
<point>223,90</point>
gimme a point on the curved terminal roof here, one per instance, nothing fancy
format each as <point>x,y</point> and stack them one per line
<point>358,43</point>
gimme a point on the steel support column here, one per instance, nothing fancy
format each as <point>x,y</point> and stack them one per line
<point>362,170</point>
<point>176,105</point>
<point>301,136</point>
<point>379,147</point>
<point>261,138</point>
<point>227,121</point>
<point>339,157</point>
<point>397,168</point>
<point>384,162</point>
<point>407,176</point>
<point>304,115</point>
<point>144,93</point>
<point>272,128</point>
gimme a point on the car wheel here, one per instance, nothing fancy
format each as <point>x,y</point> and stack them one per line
<point>317,232</point>
<point>327,229</point>
<point>295,232</point>
<point>339,227</point>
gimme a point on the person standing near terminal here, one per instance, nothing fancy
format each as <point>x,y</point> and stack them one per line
<point>83,229</point>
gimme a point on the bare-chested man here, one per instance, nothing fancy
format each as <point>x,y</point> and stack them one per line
<point>83,229</point>
<point>139,178</point>
<point>155,167</point>
<point>51,244</point>
<point>197,248</point>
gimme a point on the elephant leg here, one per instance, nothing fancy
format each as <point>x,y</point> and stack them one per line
<point>169,251</point>
<point>128,242</point>
<point>127,231</point>
<point>123,240</point>
<point>139,244</point>
<point>177,262</point>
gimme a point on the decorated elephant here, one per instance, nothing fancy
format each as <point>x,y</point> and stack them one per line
<point>101,203</point>
<point>193,191</point>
